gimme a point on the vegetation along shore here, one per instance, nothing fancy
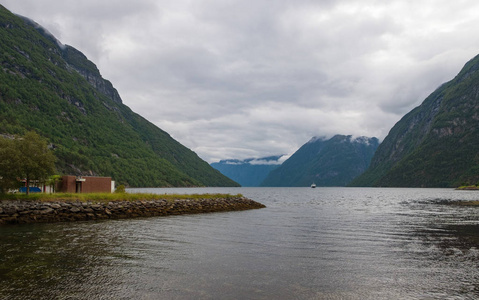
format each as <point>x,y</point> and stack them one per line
<point>46,208</point>
<point>468,187</point>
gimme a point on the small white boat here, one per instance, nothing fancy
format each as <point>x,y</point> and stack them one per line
<point>313,186</point>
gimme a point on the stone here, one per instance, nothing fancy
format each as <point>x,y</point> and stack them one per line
<point>46,211</point>
<point>96,206</point>
<point>10,210</point>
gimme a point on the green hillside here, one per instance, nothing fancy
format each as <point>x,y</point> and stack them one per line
<point>333,162</point>
<point>436,144</point>
<point>56,91</point>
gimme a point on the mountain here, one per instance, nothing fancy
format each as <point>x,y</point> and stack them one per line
<point>56,91</point>
<point>248,172</point>
<point>333,162</point>
<point>436,144</point>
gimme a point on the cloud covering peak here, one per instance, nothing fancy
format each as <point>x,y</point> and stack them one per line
<point>238,79</point>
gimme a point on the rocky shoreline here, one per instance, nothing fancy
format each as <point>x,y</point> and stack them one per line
<point>21,211</point>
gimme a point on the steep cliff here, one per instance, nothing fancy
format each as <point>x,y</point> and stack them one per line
<point>434,145</point>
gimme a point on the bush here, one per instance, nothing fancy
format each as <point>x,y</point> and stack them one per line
<point>120,189</point>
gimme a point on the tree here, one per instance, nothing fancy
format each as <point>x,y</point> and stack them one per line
<point>9,160</point>
<point>52,182</point>
<point>26,157</point>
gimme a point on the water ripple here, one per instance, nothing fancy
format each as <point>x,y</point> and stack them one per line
<point>325,243</point>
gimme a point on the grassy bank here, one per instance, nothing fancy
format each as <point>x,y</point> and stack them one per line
<point>466,203</point>
<point>468,187</point>
<point>108,197</point>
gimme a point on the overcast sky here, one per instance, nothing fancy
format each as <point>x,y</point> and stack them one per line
<point>239,78</point>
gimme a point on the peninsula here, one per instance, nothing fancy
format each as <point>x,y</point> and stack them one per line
<point>84,207</point>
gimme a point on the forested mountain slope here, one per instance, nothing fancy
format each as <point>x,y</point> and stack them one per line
<point>437,143</point>
<point>325,162</point>
<point>56,91</point>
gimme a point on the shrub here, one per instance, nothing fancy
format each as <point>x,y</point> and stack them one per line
<point>120,189</point>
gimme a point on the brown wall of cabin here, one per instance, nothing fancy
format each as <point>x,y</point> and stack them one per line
<point>67,184</point>
<point>96,185</point>
<point>90,185</point>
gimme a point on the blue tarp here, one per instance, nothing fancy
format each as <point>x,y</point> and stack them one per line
<point>33,189</point>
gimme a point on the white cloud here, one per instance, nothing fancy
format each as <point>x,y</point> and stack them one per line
<point>239,79</point>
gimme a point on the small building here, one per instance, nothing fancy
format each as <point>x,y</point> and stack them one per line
<point>85,184</point>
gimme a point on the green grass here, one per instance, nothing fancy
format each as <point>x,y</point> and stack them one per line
<point>107,197</point>
<point>468,187</point>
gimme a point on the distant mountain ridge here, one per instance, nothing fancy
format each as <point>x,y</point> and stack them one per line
<point>436,144</point>
<point>55,90</point>
<point>248,172</point>
<point>325,162</point>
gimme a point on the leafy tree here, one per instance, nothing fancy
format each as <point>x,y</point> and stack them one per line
<point>25,157</point>
<point>52,181</point>
<point>8,165</point>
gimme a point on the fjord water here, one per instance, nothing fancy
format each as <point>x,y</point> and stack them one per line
<point>323,243</point>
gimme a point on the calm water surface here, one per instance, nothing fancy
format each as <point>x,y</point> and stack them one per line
<point>323,243</point>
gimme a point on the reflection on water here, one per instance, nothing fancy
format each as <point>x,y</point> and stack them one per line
<point>321,243</point>
<point>48,261</point>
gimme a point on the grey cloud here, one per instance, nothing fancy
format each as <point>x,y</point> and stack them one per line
<point>238,79</point>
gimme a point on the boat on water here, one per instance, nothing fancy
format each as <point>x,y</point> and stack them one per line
<point>313,186</point>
